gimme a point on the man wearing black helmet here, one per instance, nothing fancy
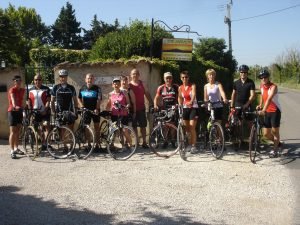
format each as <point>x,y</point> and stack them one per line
<point>270,108</point>
<point>63,96</point>
<point>243,93</point>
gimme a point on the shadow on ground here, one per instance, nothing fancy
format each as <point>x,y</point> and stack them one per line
<point>20,209</point>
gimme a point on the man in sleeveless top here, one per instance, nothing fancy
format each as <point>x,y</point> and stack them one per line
<point>140,90</point>
<point>39,99</point>
<point>15,115</point>
<point>167,93</point>
<point>270,108</point>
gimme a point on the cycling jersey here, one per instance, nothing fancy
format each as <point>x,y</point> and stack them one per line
<point>38,97</point>
<point>168,94</point>
<point>243,91</point>
<point>18,96</point>
<point>274,103</point>
<point>186,92</point>
<point>90,96</point>
<point>64,97</point>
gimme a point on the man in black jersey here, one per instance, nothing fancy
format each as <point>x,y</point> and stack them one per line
<point>63,97</point>
<point>90,97</point>
<point>243,93</point>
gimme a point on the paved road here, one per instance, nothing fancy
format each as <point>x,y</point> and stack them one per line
<point>150,190</point>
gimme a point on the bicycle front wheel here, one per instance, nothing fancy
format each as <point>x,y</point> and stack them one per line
<point>29,142</point>
<point>238,135</point>
<point>60,142</point>
<point>122,143</point>
<point>253,144</point>
<point>85,142</point>
<point>181,142</point>
<point>163,140</point>
<point>216,140</point>
<point>202,136</point>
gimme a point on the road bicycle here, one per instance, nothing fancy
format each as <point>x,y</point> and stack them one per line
<point>84,135</point>
<point>61,139</point>
<point>234,128</point>
<point>212,135</point>
<point>121,140</point>
<point>163,138</point>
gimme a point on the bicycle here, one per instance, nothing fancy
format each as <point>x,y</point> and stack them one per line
<point>121,139</point>
<point>84,135</point>
<point>234,128</point>
<point>255,138</point>
<point>61,140</point>
<point>212,135</point>
<point>164,134</point>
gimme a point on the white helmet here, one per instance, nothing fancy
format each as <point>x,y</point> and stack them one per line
<point>63,72</point>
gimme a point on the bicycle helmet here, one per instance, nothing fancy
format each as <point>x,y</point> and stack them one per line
<point>63,72</point>
<point>243,68</point>
<point>263,74</point>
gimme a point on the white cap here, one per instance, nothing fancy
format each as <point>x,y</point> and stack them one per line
<point>116,79</point>
<point>167,74</point>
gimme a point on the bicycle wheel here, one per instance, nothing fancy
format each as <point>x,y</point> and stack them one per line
<point>237,137</point>
<point>163,140</point>
<point>216,140</point>
<point>202,136</point>
<point>122,143</point>
<point>85,142</point>
<point>60,142</point>
<point>253,144</point>
<point>181,142</point>
<point>29,142</point>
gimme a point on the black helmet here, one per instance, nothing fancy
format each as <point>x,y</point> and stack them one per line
<point>263,74</point>
<point>243,68</point>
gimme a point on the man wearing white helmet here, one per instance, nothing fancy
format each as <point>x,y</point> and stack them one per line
<point>63,96</point>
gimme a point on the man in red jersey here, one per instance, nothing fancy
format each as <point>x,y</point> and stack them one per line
<point>15,115</point>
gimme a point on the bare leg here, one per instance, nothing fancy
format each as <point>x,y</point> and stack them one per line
<point>193,124</point>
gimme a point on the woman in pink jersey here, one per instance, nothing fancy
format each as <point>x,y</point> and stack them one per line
<point>118,96</point>
<point>270,108</point>
<point>187,98</point>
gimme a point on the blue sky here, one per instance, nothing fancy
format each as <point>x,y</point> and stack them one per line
<point>260,40</point>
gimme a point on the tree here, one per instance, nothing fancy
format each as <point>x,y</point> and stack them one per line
<point>65,32</point>
<point>129,41</point>
<point>98,29</point>
<point>214,49</point>
<point>30,29</point>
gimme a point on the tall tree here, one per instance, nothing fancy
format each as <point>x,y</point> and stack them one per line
<point>65,32</point>
<point>30,29</point>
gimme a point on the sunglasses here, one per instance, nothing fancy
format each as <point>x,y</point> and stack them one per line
<point>17,80</point>
<point>184,77</point>
<point>244,72</point>
<point>37,79</point>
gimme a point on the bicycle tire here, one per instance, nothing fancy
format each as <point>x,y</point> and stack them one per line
<point>253,144</point>
<point>117,146</point>
<point>202,136</point>
<point>163,140</point>
<point>85,142</point>
<point>60,142</point>
<point>181,142</point>
<point>216,140</point>
<point>29,142</point>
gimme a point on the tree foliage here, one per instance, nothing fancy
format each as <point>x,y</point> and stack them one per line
<point>134,39</point>
<point>65,33</point>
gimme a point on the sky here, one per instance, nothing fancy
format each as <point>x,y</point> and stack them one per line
<point>260,40</point>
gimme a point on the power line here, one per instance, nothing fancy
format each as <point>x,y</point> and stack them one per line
<point>265,14</point>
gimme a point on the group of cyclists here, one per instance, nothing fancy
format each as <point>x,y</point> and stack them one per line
<point>131,94</point>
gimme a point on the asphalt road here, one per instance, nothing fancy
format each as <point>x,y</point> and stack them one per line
<point>150,190</point>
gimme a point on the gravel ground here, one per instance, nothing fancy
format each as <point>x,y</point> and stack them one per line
<point>146,190</point>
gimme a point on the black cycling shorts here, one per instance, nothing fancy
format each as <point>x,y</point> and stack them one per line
<point>272,119</point>
<point>15,118</point>
<point>140,119</point>
<point>95,118</point>
<point>190,113</point>
<point>218,113</point>
<point>124,120</point>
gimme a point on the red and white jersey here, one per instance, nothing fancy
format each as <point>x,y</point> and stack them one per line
<point>265,92</point>
<point>38,97</point>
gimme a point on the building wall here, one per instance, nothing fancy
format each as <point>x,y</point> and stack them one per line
<point>103,72</point>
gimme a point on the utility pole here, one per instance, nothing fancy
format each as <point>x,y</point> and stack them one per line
<point>227,20</point>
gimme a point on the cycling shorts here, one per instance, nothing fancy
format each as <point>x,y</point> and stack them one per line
<point>15,118</point>
<point>272,119</point>
<point>190,113</point>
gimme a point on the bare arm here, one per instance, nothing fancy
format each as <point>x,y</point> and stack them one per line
<point>233,95</point>
<point>133,101</point>
<point>180,99</point>
<point>205,93</point>
<point>270,96</point>
<point>251,99</point>
<point>108,104</point>
<point>156,101</point>
<point>222,93</point>
<point>148,96</point>
<point>53,104</point>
